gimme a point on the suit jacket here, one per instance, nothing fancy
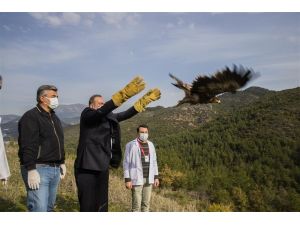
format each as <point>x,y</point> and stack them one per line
<point>100,137</point>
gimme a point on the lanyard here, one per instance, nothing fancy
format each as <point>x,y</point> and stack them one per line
<point>141,148</point>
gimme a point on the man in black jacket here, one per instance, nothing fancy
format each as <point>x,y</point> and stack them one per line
<point>41,151</point>
<point>99,143</point>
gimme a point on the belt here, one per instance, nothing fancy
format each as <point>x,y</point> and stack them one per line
<point>49,164</point>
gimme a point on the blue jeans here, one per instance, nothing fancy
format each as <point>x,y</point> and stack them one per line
<point>43,199</point>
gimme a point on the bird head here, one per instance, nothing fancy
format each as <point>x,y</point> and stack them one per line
<point>215,100</point>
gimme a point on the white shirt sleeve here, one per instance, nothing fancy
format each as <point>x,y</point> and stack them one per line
<point>155,167</point>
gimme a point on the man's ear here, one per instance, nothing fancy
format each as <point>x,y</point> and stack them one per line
<point>41,98</point>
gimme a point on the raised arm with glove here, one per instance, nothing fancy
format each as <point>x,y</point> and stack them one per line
<point>131,89</point>
<point>150,96</point>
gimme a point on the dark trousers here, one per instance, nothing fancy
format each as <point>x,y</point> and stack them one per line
<point>92,187</point>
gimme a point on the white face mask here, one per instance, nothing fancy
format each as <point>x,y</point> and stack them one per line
<point>143,137</point>
<point>53,103</point>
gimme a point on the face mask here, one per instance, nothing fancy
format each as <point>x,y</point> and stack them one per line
<point>53,103</point>
<point>143,137</point>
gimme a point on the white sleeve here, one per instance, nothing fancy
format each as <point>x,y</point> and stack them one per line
<point>155,161</point>
<point>4,168</point>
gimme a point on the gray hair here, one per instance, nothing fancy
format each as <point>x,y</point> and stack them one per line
<point>42,89</point>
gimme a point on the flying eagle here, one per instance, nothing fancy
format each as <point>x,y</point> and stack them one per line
<point>205,89</point>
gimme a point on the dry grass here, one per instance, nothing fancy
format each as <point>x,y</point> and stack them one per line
<point>120,199</point>
<point>13,196</point>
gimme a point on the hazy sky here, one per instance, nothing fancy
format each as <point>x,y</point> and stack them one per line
<point>87,53</point>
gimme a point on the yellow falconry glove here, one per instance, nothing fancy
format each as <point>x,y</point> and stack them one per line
<point>150,96</point>
<point>134,87</point>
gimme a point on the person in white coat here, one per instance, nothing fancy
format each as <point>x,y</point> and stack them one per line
<point>140,169</point>
<point>4,168</point>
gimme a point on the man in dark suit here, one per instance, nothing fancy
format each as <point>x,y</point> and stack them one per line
<point>99,143</point>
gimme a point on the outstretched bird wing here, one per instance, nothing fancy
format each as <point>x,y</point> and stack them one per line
<point>0,82</point>
<point>222,81</point>
<point>181,85</point>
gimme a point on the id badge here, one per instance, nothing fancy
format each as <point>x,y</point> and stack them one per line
<point>146,158</point>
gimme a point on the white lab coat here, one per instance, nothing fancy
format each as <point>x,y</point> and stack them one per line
<point>132,163</point>
<point>4,168</point>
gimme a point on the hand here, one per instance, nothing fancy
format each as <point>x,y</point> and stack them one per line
<point>156,182</point>
<point>150,96</point>
<point>128,185</point>
<point>131,89</point>
<point>63,171</point>
<point>4,181</point>
<point>34,179</point>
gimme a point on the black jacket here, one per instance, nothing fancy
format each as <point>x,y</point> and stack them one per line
<point>99,141</point>
<point>41,138</point>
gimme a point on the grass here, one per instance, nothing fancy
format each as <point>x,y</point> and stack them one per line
<point>13,196</point>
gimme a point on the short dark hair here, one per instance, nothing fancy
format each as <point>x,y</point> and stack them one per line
<point>41,91</point>
<point>142,125</point>
<point>93,97</point>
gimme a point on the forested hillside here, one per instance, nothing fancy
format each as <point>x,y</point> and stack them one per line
<point>249,159</point>
<point>241,155</point>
